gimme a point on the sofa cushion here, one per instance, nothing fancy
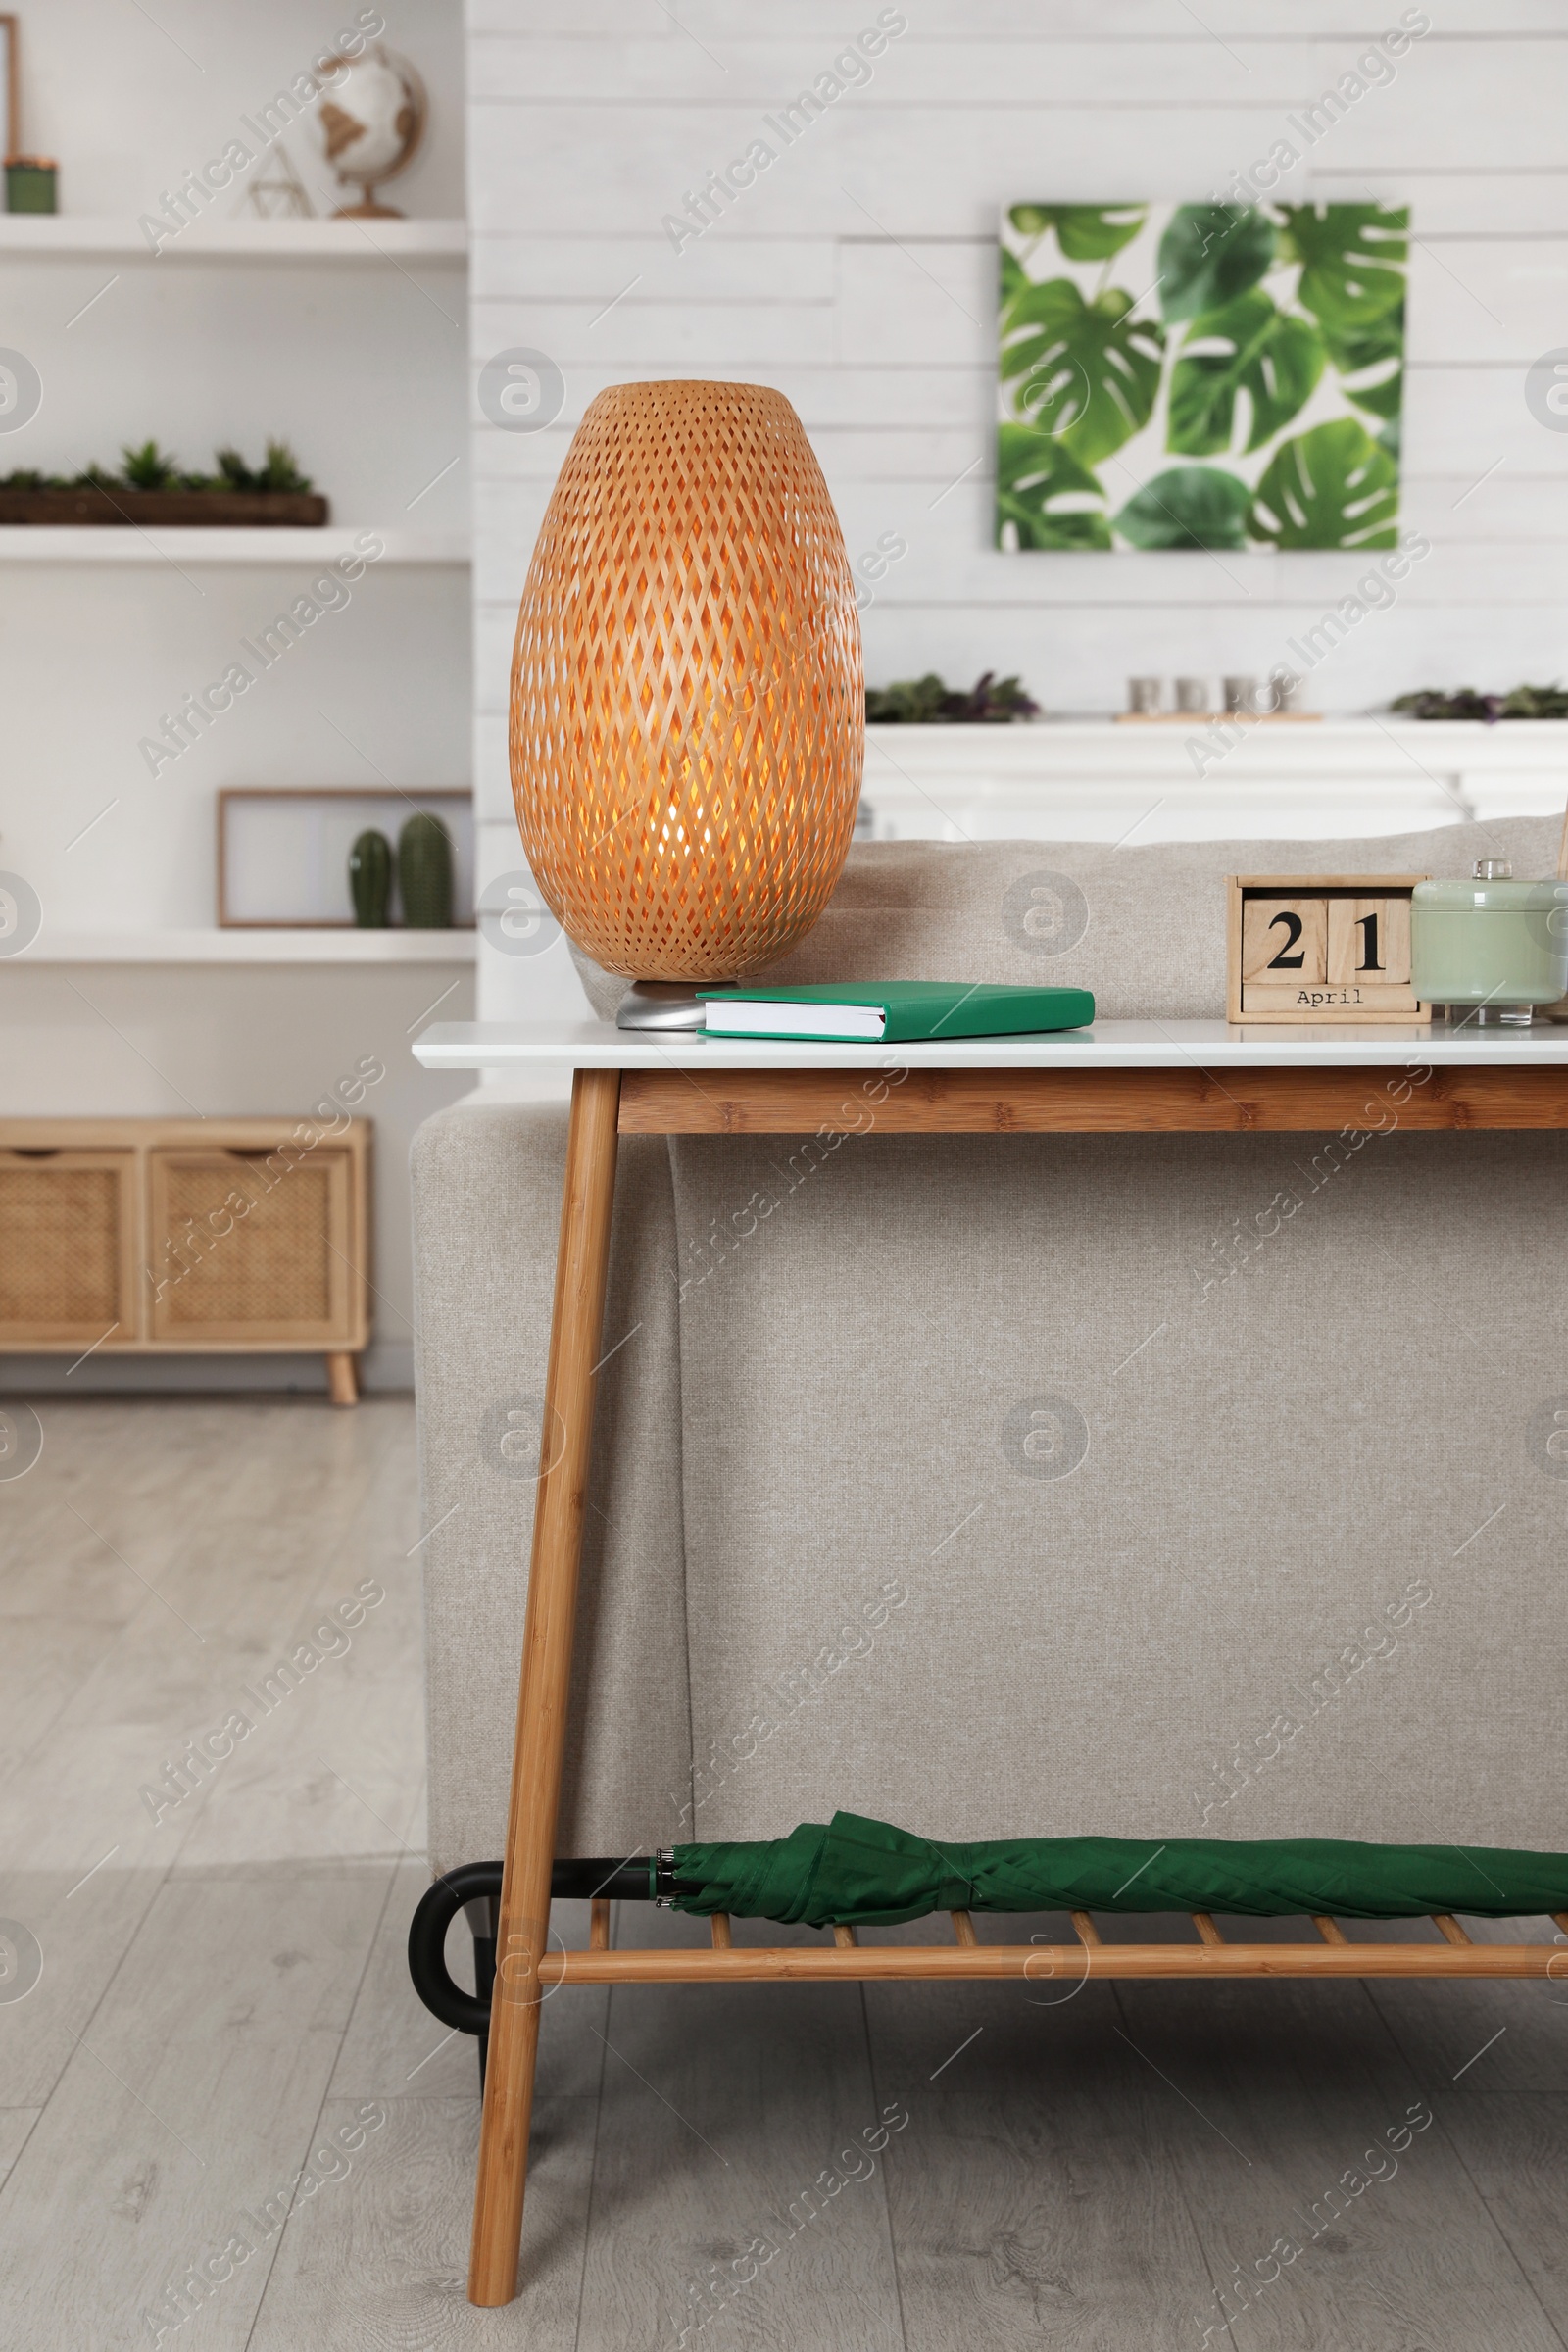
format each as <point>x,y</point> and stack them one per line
<point>487,1181</point>
<point>1143,928</point>
<point>1136,1486</point>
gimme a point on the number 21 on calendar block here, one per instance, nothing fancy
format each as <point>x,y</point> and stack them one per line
<point>1328,948</point>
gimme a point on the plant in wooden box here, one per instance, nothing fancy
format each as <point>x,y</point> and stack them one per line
<point>688,722</point>
<point>152,488</point>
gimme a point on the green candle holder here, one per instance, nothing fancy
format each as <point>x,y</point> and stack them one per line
<point>1491,949</point>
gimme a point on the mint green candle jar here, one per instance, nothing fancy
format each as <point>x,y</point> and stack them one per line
<point>1491,949</point>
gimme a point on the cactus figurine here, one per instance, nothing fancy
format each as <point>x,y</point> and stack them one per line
<point>424,873</point>
<point>371,880</point>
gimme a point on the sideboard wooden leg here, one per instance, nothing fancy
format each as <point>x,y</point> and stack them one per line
<point>575,1343</point>
<point>341,1381</point>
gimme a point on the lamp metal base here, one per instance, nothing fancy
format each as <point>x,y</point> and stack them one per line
<point>661,1005</point>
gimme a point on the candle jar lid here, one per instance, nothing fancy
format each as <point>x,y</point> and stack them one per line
<point>1491,894</point>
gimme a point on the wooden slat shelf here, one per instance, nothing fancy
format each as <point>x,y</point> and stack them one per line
<point>736,1964</point>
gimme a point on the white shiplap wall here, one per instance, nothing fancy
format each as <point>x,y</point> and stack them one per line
<point>858,275</point>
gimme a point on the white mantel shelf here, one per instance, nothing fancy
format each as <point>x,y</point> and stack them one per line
<point>1094,780</point>
<point>249,947</point>
<point>1104,1046</point>
<point>1301,743</point>
<point>134,543</point>
<point>385,242</point>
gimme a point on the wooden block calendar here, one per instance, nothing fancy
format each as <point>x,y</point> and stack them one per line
<point>1320,947</point>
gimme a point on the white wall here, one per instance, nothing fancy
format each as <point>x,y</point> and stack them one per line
<point>858,275</point>
<point>89,658</point>
<point>127,98</point>
<point>360,366</point>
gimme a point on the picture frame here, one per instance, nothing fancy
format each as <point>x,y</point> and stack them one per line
<point>282,851</point>
<point>11,65</point>
<point>1181,375</point>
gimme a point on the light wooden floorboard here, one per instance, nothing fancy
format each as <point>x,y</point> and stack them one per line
<point>15,2125</point>
<point>214,1973</point>
<point>54,1563</point>
<point>1299,2122</point>
<point>82,1936</point>
<point>1453,2042</point>
<point>1035,2195</point>
<point>726,2125</point>
<point>1084,2171</point>
<point>1514,2148</point>
<point>394,2049</point>
<point>189,2102</point>
<point>44,1659</point>
<point>379,2261</point>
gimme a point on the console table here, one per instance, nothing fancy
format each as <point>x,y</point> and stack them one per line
<point>1116,1077</point>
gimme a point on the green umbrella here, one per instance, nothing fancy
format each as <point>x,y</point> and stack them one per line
<point>868,1874</point>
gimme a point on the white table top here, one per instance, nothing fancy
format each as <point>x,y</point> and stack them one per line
<point>1107,1045</point>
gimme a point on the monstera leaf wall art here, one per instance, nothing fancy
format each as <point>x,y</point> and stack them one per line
<point>1204,376</point>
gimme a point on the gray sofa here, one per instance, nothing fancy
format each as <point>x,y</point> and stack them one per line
<point>1141,1485</point>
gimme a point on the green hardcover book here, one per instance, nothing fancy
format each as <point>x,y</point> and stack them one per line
<point>898,1011</point>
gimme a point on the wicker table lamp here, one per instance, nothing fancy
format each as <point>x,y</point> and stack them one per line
<point>688,712</point>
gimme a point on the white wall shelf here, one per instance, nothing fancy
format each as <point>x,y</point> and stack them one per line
<point>250,947</point>
<point>59,235</point>
<point>134,543</point>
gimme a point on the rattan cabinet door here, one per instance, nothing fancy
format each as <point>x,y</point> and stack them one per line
<point>251,1249</point>
<point>68,1248</point>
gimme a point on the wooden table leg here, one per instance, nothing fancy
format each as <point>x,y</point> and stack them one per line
<point>341,1383</point>
<point>576,1343</point>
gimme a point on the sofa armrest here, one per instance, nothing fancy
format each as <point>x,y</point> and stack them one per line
<point>487,1185</point>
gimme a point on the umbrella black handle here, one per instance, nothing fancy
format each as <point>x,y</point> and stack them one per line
<point>433,1914</point>
<point>645,1878</point>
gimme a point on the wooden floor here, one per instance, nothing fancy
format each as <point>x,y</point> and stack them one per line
<point>223,1996</point>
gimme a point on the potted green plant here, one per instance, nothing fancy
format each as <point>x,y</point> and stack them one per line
<point>929,702</point>
<point>151,488</point>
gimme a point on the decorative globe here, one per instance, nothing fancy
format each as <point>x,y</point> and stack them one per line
<point>688,707</point>
<point>372,121</point>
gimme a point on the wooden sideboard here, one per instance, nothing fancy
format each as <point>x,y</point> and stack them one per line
<point>151,1236</point>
